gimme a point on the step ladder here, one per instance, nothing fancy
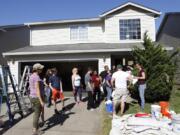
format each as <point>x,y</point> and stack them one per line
<point>25,91</point>
<point>12,98</point>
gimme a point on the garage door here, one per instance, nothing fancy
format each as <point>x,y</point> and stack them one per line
<point>65,70</point>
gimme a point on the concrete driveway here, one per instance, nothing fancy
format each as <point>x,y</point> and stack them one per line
<point>77,120</point>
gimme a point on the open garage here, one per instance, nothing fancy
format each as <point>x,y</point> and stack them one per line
<point>65,69</point>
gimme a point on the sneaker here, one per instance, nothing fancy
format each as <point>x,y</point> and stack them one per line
<point>56,111</point>
<point>91,109</point>
<point>41,124</point>
<point>115,116</point>
<point>48,105</point>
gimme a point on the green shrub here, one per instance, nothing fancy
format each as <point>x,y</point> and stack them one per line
<point>160,68</point>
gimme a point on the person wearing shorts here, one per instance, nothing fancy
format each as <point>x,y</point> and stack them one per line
<point>119,80</point>
<point>55,84</point>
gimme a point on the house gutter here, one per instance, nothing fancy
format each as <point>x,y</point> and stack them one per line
<point>73,51</point>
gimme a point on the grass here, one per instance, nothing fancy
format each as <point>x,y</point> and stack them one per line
<point>106,120</point>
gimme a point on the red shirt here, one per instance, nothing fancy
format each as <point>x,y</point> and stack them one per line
<point>95,80</point>
<point>141,81</point>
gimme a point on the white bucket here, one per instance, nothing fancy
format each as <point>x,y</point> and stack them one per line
<point>155,111</point>
<point>176,123</point>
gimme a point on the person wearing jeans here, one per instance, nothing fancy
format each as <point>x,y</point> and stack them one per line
<point>48,91</point>
<point>141,89</point>
<point>76,85</point>
<point>141,84</point>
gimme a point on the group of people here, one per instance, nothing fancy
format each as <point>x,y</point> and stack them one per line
<point>115,85</point>
<point>92,82</point>
<point>49,89</point>
<point>43,90</point>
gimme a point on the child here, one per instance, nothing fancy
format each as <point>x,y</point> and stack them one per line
<point>55,84</point>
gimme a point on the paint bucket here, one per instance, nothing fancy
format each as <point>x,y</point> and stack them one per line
<point>109,106</point>
<point>156,111</point>
<point>165,108</point>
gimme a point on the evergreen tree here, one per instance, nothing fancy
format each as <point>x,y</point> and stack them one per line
<point>159,67</point>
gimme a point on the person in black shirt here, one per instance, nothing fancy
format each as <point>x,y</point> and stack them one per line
<point>102,75</point>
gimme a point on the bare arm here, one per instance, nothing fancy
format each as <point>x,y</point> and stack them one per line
<point>44,80</point>
<point>130,78</point>
<point>112,82</point>
<point>107,82</point>
<point>61,86</point>
<point>143,76</point>
<point>73,82</point>
<point>39,93</point>
<point>50,85</point>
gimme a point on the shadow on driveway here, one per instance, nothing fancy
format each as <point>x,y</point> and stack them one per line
<point>59,119</point>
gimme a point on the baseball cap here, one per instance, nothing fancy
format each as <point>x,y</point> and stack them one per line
<point>38,66</point>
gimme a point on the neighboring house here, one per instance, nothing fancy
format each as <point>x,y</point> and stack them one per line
<point>94,42</point>
<point>13,37</point>
<point>169,34</point>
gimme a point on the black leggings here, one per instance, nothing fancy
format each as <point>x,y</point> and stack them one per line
<point>78,92</point>
<point>90,103</point>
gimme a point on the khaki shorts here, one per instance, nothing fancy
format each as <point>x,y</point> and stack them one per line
<point>120,95</point>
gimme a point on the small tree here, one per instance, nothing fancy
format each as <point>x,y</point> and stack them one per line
<point>160,68</point>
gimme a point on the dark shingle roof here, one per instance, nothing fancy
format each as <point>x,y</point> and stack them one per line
<point>169,31</point>
<point>77,48</point>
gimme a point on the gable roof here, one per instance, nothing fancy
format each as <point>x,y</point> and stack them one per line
<point>155,12</point>
<point>152,11</point>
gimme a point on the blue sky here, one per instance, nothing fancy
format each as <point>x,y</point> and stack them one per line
<point>23,11</point>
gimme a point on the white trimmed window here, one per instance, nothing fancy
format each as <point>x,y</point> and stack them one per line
<point>79,32</point>
<point>130,29</point>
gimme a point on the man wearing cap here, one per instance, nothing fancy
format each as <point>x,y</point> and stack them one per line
<point>119,81</point>
<point>36,95</point>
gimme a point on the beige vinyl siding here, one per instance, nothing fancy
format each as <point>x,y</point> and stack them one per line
<point>60,34</point>
<point>112,31</point>
<point>106,31</point>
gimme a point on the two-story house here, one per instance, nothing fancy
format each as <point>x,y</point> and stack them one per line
<point>94,42</point>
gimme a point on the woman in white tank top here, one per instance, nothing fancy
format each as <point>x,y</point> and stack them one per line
<point>76,85</point>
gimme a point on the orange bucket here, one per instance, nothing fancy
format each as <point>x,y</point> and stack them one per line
<point>165,108</point>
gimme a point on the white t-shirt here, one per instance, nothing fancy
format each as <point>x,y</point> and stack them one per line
<point>120,79</point>
<point>77,81</point>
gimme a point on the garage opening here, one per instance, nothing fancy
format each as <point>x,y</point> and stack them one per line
<point>65,70</point>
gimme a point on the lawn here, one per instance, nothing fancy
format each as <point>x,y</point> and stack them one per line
<point>106,118</point>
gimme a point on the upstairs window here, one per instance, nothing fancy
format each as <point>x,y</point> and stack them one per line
<point>79,32</point>
<point>130,29</point>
